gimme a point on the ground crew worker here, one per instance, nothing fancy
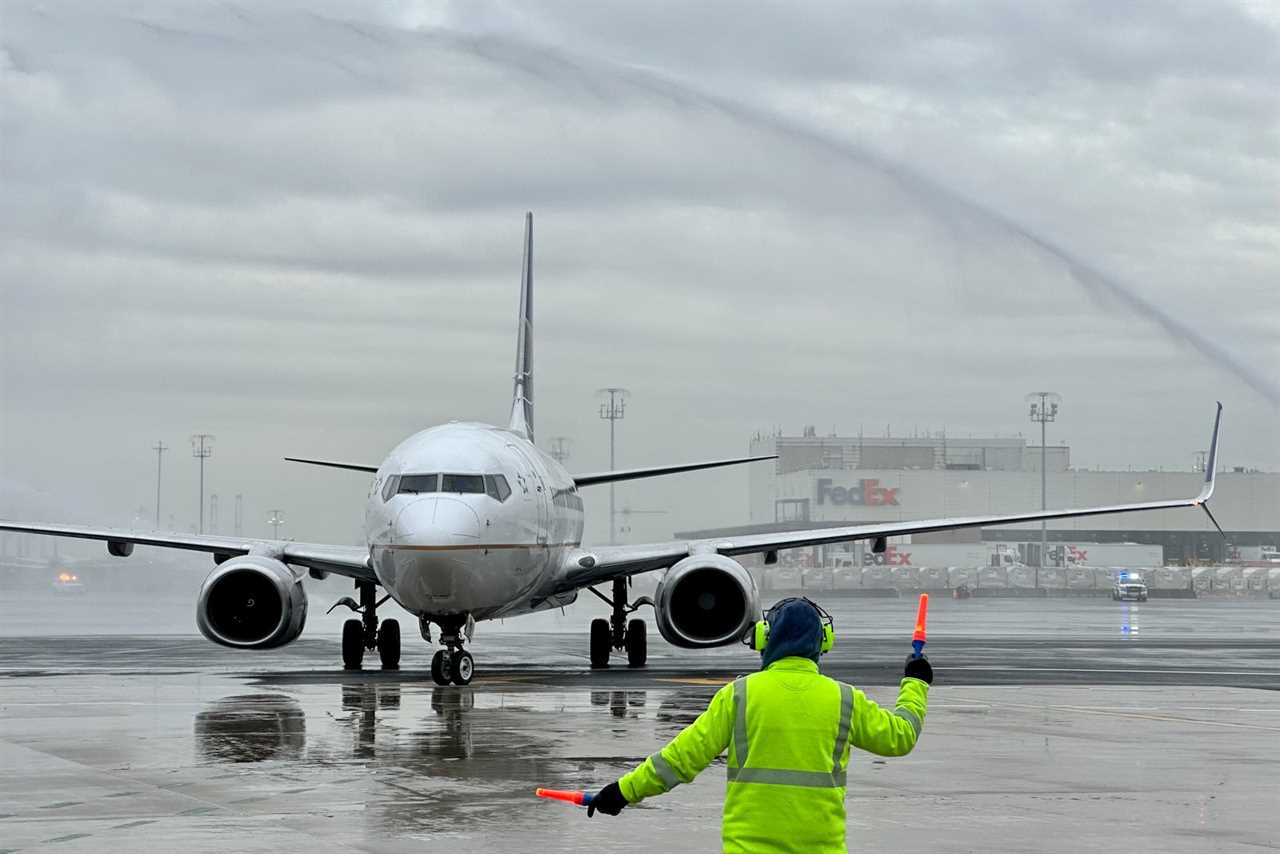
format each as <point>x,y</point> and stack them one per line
<point>789,731</point>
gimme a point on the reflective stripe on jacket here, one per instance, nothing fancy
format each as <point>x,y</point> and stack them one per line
<point>788,730</point>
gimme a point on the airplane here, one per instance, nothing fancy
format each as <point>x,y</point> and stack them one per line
<point>466,522</point>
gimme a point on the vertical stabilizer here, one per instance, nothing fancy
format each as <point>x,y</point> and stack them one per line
<point>522,394</point>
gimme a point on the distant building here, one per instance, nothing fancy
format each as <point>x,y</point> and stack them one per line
<point>826,480</point>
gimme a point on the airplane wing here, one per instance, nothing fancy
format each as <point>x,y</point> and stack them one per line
<point>333,465</point>
<point>592,566</point>
<point>657,471</point>
<point>351,561</point>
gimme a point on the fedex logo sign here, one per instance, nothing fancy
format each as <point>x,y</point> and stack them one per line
<point>866,492</point>
<point>890,557</point>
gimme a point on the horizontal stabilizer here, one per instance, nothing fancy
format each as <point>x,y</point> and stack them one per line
<point>635,474</point>
<point>333,465</point>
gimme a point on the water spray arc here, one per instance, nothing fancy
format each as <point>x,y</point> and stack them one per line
<point>550,63</point>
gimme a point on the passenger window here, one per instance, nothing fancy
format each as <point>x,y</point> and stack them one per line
<point>496,487</point>
<point>390,487</point>
<point>415,483</point>
<point>467,483</point>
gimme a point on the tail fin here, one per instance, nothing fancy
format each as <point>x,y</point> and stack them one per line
<point>522,394</point>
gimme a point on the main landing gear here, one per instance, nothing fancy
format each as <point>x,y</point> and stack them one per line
<point>617,632</point>
<point>453,664</point>
<point>366,633</point>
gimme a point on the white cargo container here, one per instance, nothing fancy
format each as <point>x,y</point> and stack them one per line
<point>1273,580</point>
<point>1080,578</point>
<point>816,578</point>
<point>1169,578</point>
<point>879,577</point>
<point>962,576</point>
<point>1021,576</point>
<point>847,577</point>
<point>1053,578</point>
<point>1255,579</point>
<point>992,576</point>
<point>1202,578</point>
<point>1228,579</point>
<point>906,578</point>
<point>782,578</point>
<point>933,578</point>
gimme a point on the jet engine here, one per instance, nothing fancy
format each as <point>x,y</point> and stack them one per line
<point>705,600</point>
<point>252,602</point>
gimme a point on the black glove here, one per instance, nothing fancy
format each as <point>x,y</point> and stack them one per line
<point>919,668</point>
<point>609,801</point>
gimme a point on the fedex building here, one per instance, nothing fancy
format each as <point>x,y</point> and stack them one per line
<point>820,481</point>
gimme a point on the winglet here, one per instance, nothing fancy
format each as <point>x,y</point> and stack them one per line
<point>1211,461</point>
<point>1211,473</point>
<point>522,393</point>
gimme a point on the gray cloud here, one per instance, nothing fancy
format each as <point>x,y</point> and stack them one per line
<point>299,229</point>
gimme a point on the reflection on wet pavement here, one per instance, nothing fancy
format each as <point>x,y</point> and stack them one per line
<point>129,744</point>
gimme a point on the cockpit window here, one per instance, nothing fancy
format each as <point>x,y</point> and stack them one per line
<point>415,483</point>
<point>390,487</point>
<point>470,483</point>
<point>496,486</point>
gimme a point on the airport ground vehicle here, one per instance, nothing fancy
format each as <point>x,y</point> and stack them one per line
<point>1129,588</point>
<point>67,582</point>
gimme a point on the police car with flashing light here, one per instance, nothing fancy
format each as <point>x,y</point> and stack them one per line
<point>1129,587</point>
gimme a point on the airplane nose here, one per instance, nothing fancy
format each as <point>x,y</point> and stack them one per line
<point>437,522</point>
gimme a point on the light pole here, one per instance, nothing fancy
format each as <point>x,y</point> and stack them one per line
<point>275,520</point>
<point>159,448</point>
<point>613,411</point>
<point>1044,408</point>
<point>560,446</point>
<point>201,449</point>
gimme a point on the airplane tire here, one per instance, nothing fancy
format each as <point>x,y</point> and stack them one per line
<point>389,644</point>
<point>637,644</point>
<point>601,643</point>
<point>441,667</point>
<point>464,667</point>
<point>352,644</point>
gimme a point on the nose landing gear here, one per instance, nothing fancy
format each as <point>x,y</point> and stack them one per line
<point>617,632</point>
<point>453,663</point>
<point>365,633</point>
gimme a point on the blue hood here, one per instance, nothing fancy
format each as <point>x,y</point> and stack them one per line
<point>795,630</point>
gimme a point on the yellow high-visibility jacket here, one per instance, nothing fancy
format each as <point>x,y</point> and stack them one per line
<point>789,730</point>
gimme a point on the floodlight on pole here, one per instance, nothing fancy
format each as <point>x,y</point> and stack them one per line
<point>613,411</point>
<point>201,449</point>
<point>275,520</point>
<point>159,448</point>
<point>559,449</point>
<point>1043,409</point>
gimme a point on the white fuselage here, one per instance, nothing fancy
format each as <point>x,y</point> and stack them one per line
<point>448,546</point>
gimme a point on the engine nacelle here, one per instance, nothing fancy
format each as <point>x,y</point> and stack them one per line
<point>706,600</point>
<point>252,602</point>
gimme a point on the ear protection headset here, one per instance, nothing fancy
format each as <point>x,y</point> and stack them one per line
<point>758,637</point>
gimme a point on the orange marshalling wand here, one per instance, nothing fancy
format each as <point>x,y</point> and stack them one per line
<point>581,799</point>
<point>922,620</point>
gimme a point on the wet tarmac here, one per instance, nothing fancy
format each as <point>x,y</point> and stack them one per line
<point>1080,737</point>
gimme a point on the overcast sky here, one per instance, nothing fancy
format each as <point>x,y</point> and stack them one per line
<point>299,230</point>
